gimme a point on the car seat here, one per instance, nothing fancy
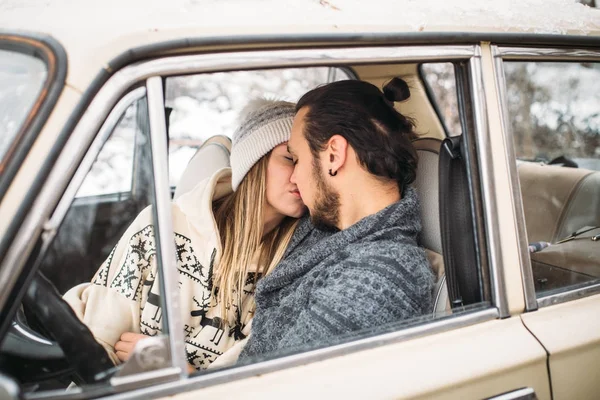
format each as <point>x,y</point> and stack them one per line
<point>209,158</point>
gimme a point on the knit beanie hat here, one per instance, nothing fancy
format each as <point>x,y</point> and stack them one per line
<point>264,124</point>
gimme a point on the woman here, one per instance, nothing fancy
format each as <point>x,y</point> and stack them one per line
<point>225,241</point>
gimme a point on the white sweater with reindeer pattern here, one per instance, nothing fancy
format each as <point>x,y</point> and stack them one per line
<point>124,295</point>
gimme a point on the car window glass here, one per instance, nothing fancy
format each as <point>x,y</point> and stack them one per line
<point>94,223</point>
<point>440,83</point>
<point>554,113</point>
<point>112,173</point>
<point>209,104</point>
<point>21,79</point>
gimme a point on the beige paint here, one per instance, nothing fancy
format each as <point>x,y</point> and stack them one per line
<point>570,332</point>
<point>472,362</point>
<point>417,106</point>
<point>93,33</point>
<point>469,363</point>
<point>39,151</point>
<point>505,212</point>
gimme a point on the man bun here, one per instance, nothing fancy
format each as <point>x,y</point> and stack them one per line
<point>396,90</point>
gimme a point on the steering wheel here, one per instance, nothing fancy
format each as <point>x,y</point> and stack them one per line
<point>46,307</point>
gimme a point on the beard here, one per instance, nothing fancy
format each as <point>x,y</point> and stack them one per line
<point>325,214</point>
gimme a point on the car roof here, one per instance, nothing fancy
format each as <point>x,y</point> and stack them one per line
<point>95,32</point>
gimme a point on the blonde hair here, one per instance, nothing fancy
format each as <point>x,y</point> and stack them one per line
<point>240,220</point>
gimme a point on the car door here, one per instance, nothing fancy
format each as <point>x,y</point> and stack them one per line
<point>552,104</point>
<point>477,350</point>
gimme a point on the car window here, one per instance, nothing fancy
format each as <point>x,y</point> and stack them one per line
<point>104,205</point>
<point>112,173</point>
<point>206,105</point>
<point>21,79</point>
<point>440,84</point>
<point>103,258</point>
<point>554,115</point>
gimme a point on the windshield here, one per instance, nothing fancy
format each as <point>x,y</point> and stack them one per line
<point>22,77</point>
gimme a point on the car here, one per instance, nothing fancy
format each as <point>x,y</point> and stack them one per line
<point>103,105</point>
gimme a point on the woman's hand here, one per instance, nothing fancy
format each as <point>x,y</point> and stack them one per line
<point>125,345</point>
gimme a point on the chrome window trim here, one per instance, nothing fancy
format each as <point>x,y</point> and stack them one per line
<point>546,54</point>
<point>569,295</point>
<point>246,60</point>
<point>132,382</point>
<point>128,77</point>
<point>502,54</point>
<point>164,236</point>
<point>517,197</point>
<point>220,377</point>
<point>488,192</point>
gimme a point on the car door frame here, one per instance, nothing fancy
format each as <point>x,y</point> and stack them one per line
<point>503,281</point>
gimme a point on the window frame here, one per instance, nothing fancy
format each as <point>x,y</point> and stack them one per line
<point>151,72</point>
<point>503,53</point>
<point>52,54</point>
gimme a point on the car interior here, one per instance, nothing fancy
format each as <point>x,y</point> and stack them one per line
<point>561,206</point>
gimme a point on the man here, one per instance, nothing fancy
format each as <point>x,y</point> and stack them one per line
<point>361,268</point>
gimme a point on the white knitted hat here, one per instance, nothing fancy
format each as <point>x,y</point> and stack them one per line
<point>264,124</point>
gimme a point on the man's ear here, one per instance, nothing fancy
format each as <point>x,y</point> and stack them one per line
<point>336,152</point>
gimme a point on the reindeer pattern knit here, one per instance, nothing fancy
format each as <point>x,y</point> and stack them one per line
<point>125,295</point>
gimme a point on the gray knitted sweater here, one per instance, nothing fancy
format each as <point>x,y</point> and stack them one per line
<point>328,285</point>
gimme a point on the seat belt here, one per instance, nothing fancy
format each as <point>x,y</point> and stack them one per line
<point>457,225</point>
